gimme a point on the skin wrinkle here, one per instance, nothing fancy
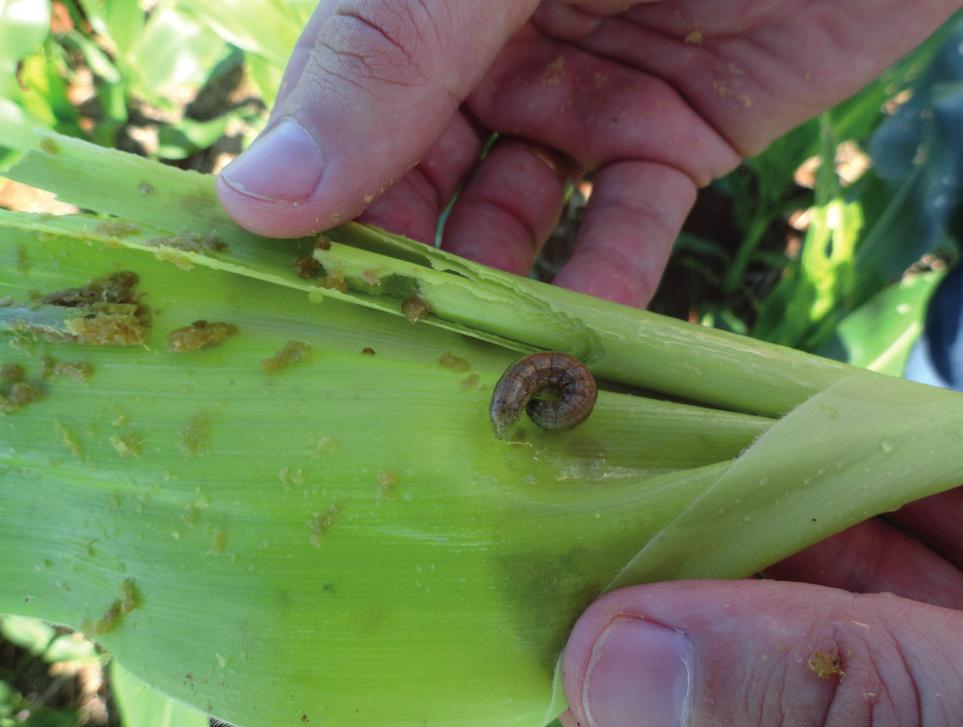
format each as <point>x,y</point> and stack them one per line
<point>680,17</point>
<point>770,697</point>
<point>831,687</point>
<point>884,708</point>
<point>644,287</point>
<point>381,30</point>
<point>453,156</point>
<point>509,214</point>
<point>594,159</point>
<point>319,65</point>
<point>397,216</point>
<point>618,260</point>
<point>796,681</point>
<point>526,223</point>
<point>485,200</point>
<point>449,161</point>
<point>424,186</point>
<point>780,702</point>
<point>769,70</point>
<point>948,667</point>
<point>429,19</point>
<point>636,207</point>
<point>761,55</point>
<point>863,572</point>
<point>877,686</point>
<point>838,36</point>
<point>752,16</point>
<point>550,16</point>
<point>595,239</point>
<point>692,98</point>
<point>876,658</point>
<point>908,671</point>
<point>837,694</point>
<point>698,180</point>
<point>372,62</point>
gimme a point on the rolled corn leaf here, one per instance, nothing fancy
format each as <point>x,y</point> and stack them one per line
<point>311,521</point>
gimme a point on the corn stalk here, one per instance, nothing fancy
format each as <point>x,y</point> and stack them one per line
<point>329,531</point>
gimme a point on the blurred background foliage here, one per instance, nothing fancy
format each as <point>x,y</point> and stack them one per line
<point>833,240</point>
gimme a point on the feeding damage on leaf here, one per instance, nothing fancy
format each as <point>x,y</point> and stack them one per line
<point>198,335</point>
<point>415,309</point>
<point>18,396</point>
<point>293,352</point>
<point>104,312</point>
<point>196,242</point>
<point>119,608</point>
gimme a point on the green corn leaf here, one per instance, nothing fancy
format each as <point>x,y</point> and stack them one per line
<point>188,136</point>
<point>141,705</point>
<point>343,540</point>
<point>24,24</point>
<point>173,52</point>
<point>798,312</point>
<point>880,334</point>
<point>119,23</point>
<point>98,61</point>
<point>264,27</point>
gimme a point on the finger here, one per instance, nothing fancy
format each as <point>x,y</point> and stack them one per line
<point>509,207</point>
<point>760,653</point>
<point>874,557</point>
<point>632,218</point>
<point>379,86</point>
<point>412,206</point>
<point>567,718</point>
<point>936,521</point>
<point>571,19</point>
<point>757,75</point>
<point>596,111</point>
<point>564,21</point>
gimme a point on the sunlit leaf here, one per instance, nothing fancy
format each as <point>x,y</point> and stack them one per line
<point>174,54</point>
<point>141,705</point>
<point>264,27</point>
<point>24,24</point>
<point>880,334</point>
<point>30,633</point>
<point>180,140</point>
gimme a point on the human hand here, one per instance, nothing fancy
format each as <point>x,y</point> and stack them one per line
<point>391,101</point>
<point>749,653</point>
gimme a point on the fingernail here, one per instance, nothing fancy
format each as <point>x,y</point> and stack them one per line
<point>283,165</point>
<point>639,674</point>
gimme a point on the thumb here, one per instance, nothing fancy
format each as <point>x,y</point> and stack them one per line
<point>754,653</point>
<point>372,84</point>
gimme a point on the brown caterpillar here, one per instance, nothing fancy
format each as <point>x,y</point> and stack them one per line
<point>570,384</point>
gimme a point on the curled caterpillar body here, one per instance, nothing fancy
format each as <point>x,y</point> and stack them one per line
<point>567,381</point>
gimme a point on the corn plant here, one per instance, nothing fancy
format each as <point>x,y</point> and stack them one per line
<point>261,473</point>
